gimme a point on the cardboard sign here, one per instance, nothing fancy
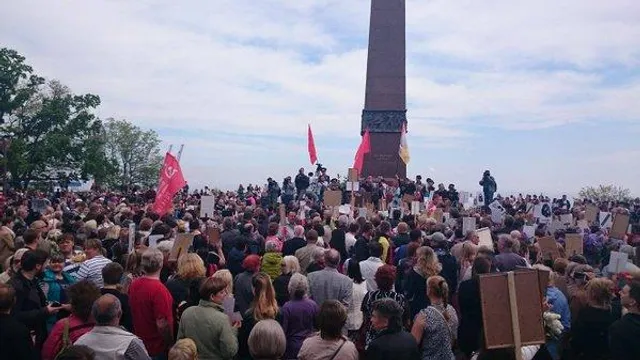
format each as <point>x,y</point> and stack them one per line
<point>132,237</point>
<point>153,240</point>
<point>415,207</point>
<point>438,215</point>
<point>353,186</point>
<point>591,213</point>
<point>181,246</point>
<point>605,219</point>
<point>574,244</point>
<point>566,220</point>
<point>363,212</point>
<point>511,309</point>
<point>620,227</point>
<point>207,206</point>
<point>344,209</point>
<point>484,236</point>
<point>617,262</point>
<point>407,198</point>
<point>332,198</point>
<point>555,226</point>
<point>352,175</point>
<point>529,231</point>
<point>468,224</point>
<point>549,248</point>
<point>214,235</point>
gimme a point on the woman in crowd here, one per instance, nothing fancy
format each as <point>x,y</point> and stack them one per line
<point>132,269</point>
<point>13,266</point>
<point>415,290</point>
<point>184,349</point>
<point>263,306</point>
<point>384,278</point>
<point>289,266</point>
<point>272,236</point>
<point>243,283</point>
<point>590,331</point>
<point>405,265</point>
<point>359,290</point>
<point>207,324</point>
<point>54,285</point>
<point>185,285</point>
<point>229,300</point>
<point>271,260</point>
<point>81,296</point>
<point>338,238</point>
<point>470,308</point>
<point>436,326</point>
<point>469,252</point>
<point>578,276</point>
<point>391,341</point>
<point>384,238</point>
<point>267,341</point>
<point>298,315</point>
<point>329,344</point>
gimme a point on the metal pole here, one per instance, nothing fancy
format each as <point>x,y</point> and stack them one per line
<point>180,152</point>
<point>170,148</point>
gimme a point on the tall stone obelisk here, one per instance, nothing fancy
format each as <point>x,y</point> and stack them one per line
<point>385,104</point>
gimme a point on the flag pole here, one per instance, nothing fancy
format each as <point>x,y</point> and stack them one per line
<point>180,152</point>
<point>170,148</point>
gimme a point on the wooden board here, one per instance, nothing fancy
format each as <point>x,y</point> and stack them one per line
<point>591,213</point>
<point>332,198</point>
<point>620,227</point>
<point>549,248</point>
<point>574,244</point>
<point>496,309</point>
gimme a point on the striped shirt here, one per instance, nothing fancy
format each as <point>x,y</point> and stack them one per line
<point>92,270</point>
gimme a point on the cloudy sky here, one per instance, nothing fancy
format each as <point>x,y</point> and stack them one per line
<point>544,93</point>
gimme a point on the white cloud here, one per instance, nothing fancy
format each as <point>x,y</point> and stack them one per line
<point>269,67</point>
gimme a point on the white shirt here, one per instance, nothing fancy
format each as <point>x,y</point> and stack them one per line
<point>354,314</point>
<point>368,269</point>
<point>349,241</point>
<point>92,270</point>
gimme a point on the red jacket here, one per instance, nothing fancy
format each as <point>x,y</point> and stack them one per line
<point>53,344</point>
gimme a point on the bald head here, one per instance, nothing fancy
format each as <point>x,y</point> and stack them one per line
<point>107,310</point>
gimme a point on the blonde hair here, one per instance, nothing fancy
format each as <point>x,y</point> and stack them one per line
<point>437,286</point>
<point>469,251</point>
<point>599,292</point>
<point>190,266</point>
<point>264,301</point>
<point>113,232</point>
<point>427,261</point>
<point>291,265</point>
<point>267,340</point>
<point>225,275</point>
<point>184,349</point>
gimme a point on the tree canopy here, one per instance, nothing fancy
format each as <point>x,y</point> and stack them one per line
<point>50,134</point>
<point>605,193</point>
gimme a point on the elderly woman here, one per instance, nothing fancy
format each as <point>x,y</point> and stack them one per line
<point>289,266</point>
<point>391,341</point>
<point>81,295</point>
<point>329,344</point>
<point>384,277</point>
<point>267,341</point>
<point>298,315</point>
<point>271,260</point>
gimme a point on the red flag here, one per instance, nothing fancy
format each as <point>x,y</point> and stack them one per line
<point>311,145</point>
<point>171,181</point>
<point>364,148</point>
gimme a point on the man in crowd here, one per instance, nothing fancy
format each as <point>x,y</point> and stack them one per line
<point>328,283</point>
<point>305,254</point>
<point>91,269</point>
<point>151,306</point>
<point>15,340</point>
<point>107,339</point>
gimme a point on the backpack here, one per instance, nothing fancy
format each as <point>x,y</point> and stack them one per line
<point>66,340</point>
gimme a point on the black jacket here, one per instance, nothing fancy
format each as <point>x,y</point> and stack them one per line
<point>291,246</point>
<point>623,338</point>
<point>302,182</point>
<point>397,346</point>
<point>30,307</point>
<point>15,341</point>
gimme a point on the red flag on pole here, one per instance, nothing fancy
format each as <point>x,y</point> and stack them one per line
<point>171,181</point>
<point>364,148</point>
<point>311,145</point>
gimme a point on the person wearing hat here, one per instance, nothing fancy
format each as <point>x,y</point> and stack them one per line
<point>13,265</point>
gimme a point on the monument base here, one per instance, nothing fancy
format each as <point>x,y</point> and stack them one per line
<point>383,159</point>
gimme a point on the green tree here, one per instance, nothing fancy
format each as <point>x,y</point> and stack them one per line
<point>605,193</point>
<point>54,136</point>
<point>134,152</point>
<point>17,83</point>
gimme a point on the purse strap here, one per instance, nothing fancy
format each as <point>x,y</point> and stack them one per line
<point>339,348</point>
<point>446,323</point>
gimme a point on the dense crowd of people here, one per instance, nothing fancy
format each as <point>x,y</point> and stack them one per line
<point>274,273</point>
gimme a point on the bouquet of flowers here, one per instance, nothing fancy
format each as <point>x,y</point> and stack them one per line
<point>552,326</point>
